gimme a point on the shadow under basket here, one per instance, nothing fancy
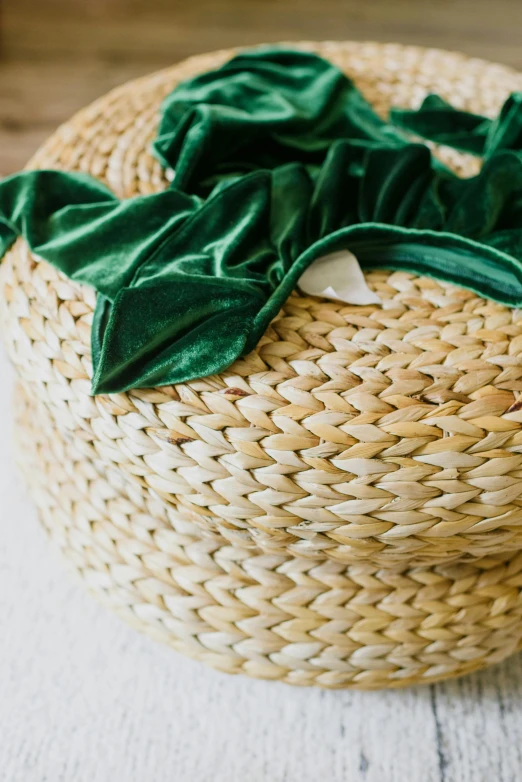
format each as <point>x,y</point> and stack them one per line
<point>300,517</point>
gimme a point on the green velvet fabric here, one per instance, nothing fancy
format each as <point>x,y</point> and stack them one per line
<point>438,121</point>
<point>278,160</point>
<point>263,109</point>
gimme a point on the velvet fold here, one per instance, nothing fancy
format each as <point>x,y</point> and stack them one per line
<point>277,159</point>
<point>438,121</point>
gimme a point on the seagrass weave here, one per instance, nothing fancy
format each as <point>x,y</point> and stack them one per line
<point>344,505</point>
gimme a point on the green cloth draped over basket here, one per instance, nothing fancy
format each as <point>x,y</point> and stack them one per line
<point>277,160</point>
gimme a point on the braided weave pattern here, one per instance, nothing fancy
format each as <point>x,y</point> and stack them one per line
<point>344,505</point>
<point>300,620</point>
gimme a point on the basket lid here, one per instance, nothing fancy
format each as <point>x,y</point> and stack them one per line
<point>386,432</point>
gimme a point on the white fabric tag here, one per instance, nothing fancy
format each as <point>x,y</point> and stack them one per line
<point>338,276</point>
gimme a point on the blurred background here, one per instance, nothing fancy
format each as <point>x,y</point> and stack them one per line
<point>58,55</point>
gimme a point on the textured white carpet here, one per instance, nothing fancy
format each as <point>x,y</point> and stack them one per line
<point>85,699</point>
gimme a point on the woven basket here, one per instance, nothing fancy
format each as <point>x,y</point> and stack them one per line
<point>342,507</point>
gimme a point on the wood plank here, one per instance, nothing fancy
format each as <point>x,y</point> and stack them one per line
<point>478,725</point>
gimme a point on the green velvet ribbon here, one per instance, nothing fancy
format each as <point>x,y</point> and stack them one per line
<point>438,121</point>
<point>278,160</point>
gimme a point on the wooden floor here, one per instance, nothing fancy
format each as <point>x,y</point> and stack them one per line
<point>57,55</point>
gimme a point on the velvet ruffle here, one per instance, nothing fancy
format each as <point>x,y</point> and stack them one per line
<point>278,160</point>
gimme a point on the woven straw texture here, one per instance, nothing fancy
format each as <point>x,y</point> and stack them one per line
<point>343,506</point>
